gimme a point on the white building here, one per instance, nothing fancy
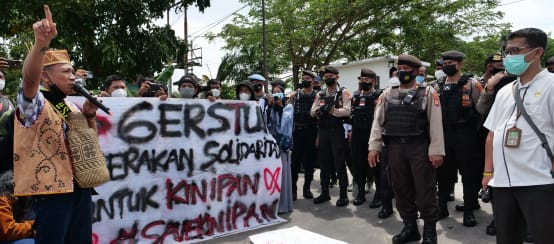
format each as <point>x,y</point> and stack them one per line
<point>349,72</point>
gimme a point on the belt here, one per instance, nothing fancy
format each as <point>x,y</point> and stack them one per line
<point>406,139</point>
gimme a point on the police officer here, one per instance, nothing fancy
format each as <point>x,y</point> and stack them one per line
<point>363,105</point>
<point>408,121</point>
<point>331,107</point>
<point>459,94</point>
<point>304,134</point>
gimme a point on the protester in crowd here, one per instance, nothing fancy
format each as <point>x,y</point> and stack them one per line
<point>114,86</point>
<point>244,91</point>
<point>16,215</point>
<point>458,96</point>
<point>213,92</point>
<point>363,104</point>
<point>493,65</point>
<point>393,77</point>
<point>62,207</point>
<point>280,122</point>
<point>259,83</point>
<point>331,107</point>
<point>5,102</point>
<point>408,121</point>
<point>187,86</point>
<point>550,64</point>
<point>421,75</point>
<point>518,166</point>
<point>149,88</point>
<point>439,73</point>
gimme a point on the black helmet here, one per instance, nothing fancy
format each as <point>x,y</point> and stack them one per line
<point>250,87</point>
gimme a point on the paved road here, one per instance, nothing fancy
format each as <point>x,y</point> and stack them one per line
<point>359,224</point>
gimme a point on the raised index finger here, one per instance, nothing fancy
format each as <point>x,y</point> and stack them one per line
<point>48,14</point>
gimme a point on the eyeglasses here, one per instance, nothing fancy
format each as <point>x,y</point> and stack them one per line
<point>513,50</point>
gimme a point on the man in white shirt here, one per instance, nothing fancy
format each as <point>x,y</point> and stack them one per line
<point>519,169</point>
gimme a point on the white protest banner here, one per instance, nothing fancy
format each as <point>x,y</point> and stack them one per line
<point>184,170</point>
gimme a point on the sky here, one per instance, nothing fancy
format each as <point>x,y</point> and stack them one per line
<point>520,13</point>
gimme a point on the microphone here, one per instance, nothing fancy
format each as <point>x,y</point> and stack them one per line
<point>78,87</point>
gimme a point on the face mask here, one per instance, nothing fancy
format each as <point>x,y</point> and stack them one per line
<point>306,83</point>
<point>258,87</point>
<point>495,70</point>
<point>450,69</point>
<point>515,64</point>
<point>244,96</point>
<point>439,74</point>
<point>215,92</point>
<point>317,88</point>
<point>119,93</point>
<point>330,81</point>
<point>2,84</point>
<point>394,81</point>
<point>187,92</point>
<point>365,86</point>
<point>405,76</point>
<point>419,79</point>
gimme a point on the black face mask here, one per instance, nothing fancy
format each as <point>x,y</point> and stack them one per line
<point>405,76</point>
<point>306,83</point>
<point>450,69</point>
<point>317,88</point>
<point>365,86</point>
<point>330,81</point>
<point>257,87</point>
<point>495,70</point>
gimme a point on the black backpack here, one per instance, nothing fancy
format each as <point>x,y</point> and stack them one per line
<point>6,140</point>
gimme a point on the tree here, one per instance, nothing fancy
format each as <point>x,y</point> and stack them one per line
<point>308,34</point>
<point>106,37</point>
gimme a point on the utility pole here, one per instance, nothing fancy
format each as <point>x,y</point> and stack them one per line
<point>264,44</point>
<point>185,58</point>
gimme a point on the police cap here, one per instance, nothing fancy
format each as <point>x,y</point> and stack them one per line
<point>330,69</point>
<point>409,60</point>
<point>310,73</point>
<point>439,62</point>
<point>550,61</point>
<point>366,72</point>
<point>453,55</point>
<point>493,58</point>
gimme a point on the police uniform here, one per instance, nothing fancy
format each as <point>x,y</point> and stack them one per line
<point>332,107</point>
<point>409,123</point>
<point>304,135</point>
<point>363,106</point>
<point>458,99</point>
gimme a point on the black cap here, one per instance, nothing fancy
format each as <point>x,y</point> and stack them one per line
<point>310,73</point>
<point>412,61</point>
<point>439,62</point>
<point>280,83</point>
<point>453,55</point>
<point>493,58</point>
<point>250,87</point>
<point>187,78</point>
<point>550,61</point>
<point>330,69</point>
<point>367,73</point>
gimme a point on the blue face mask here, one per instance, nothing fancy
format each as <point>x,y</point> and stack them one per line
<point>419,79</point>
<point>515,64</point>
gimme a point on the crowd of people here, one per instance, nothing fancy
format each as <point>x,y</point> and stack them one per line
<point>411,140</point>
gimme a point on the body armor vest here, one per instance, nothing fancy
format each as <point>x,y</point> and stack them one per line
<point>302,108</point>
<point>457,107</point>
<point>363,107</point>
<point>406,118</point>
<point>326,120</point>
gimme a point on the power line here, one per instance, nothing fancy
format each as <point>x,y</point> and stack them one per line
<point>215,23</point>
<point>504,4</point>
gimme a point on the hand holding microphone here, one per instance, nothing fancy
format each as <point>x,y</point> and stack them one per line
<point>78,87</point>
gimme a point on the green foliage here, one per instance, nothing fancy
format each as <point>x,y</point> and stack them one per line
<point>107,37</point>
<point>312,33</point>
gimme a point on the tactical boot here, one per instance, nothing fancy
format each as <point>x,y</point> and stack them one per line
<point>306,191</point>
<point>429,234</point>
<point>360,197</point>
<point>386,211</point>
<point>409,233</point>
<point>324,196</point>
<point>443,208</point>
<point>343,197</point>
<point>461,207</point>
<point>376,202</point>
<point>469,219</point>
<point>491,229</point>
